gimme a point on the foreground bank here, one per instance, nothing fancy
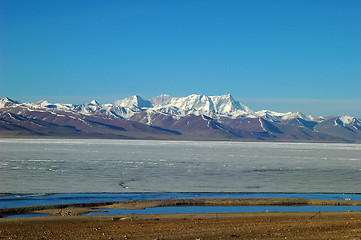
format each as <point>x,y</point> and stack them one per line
<point>344,225</point>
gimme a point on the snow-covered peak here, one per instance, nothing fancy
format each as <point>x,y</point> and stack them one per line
<point>194,102</point>
<point>226,104</point>
<point>276,116</point>
<point>43,103</point>
<point>46,104</point>
<point>61,106</point>
<point>88,108</point>
<point>270,115</point>
<point>161,101</point>
<point>202,105</point>
<point>94,102</point>
<point>7,102</point>
<point>293,115</point>
<point>133,101</point>
<point>346,120</point>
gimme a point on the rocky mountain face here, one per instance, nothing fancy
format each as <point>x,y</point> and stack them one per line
<point>195,117</point>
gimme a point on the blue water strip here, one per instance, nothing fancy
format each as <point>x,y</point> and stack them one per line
<point>27,215</point>
<point>225,209</point>
<point>23,200</point>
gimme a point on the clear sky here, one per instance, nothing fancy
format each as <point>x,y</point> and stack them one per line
<point>280,55</point>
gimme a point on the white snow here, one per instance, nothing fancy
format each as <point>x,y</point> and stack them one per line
<point>215,107</point>
<point>260,121</point>
<point>43,103</point>
<point>346,120</point>
<point>7,102</point>
<point>58,115</point>
<point>94,102</point>
<point>226,104</point>
<point>204,118</point>
<point>133,102</point>
<point>276,116</point>
<point>12,116</point>
<point>212,106</point>
<point>85,123</point>
<point>149,118</point>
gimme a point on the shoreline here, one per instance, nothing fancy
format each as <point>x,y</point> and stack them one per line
<point>75,209</point>
<point>67,222</point>
<point>185,139</point>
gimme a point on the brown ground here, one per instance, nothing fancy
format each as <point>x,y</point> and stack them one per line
<point>66,225</point>
<point>188,226</point>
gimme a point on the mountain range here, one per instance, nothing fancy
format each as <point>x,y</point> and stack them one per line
<point>195,117</point>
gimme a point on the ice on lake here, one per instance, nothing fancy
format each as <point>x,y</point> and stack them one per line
<point>75,166</point>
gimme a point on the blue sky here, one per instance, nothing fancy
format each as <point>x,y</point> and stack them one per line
<point>280,55</point>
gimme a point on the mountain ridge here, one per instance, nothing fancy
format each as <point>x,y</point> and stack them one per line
<point>194,117</point>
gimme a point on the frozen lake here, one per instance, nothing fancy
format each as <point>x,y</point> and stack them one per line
<point>125,166</point>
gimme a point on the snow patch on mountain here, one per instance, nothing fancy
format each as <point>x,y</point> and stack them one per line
<point>347,120</point>
<point>261,123</point>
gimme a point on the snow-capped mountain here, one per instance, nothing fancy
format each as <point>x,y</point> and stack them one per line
<point>88,108</point>
<point>197,105</point>
<point>133,102</point>
<point>7,102</point>
<point>46,104</point>
<point>197,117</point>
<point>275,116</point>
<point>346,120</point>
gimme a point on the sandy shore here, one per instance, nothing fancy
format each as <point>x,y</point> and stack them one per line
<point>66,223</point>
